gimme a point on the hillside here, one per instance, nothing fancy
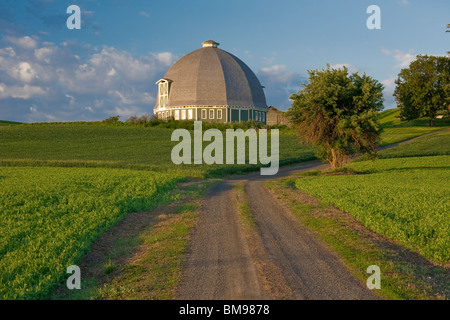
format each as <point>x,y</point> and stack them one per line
<point>396,130</point>
<point>8,123</point>
<point>133,147</point>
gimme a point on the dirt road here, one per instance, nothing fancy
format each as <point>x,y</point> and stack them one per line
<point>220,264</point>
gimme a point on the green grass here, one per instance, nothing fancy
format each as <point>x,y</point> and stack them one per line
<point>396,130</point>
<point>133,147</point>
<point>405,199</point>
<point>8,123</point>
<point>244,210</point>
<point>389,118</point>
<point>50,216</point>
<point>394,135</point>
<point>436,144</point>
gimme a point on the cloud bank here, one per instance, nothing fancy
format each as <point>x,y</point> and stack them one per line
<point>43,81</point>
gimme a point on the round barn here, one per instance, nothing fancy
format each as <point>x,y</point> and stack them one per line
<point>210,84</point>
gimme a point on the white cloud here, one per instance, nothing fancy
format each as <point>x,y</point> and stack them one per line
<point>36,115</point>
<point>43,54</point>
<point>389,87</point>
<point>70,82</point>
<point>112,72</point>
<point>8,51</point>
<point>144,14</point>
<point>23,72</point>
<point>24,42</point>
<point>279,84</point>
<point>389,83</point>
<point>403,58</point>
<point>21,92</point>
<point>166,58</point>
<point>126,112</point>
<point>350,67</point>
<point>277,73</point>
<point>72,98</point>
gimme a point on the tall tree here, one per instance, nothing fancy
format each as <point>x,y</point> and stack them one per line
<point>423,88</point>
<point>338,113</point>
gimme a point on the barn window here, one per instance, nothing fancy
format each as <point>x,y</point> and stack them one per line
<point>203,113</point>
<point>211,114</point>
<point>177,114</point>
<point>190,114</point>
<point>219,114</point>
<point>163,92</point>
<point>183,114</point>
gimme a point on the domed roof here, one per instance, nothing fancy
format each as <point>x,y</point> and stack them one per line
<point>210,76</point>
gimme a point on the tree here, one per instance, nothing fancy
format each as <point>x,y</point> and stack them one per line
<point>338,113</point>
<point>423,88</point>
<point>112,119</point>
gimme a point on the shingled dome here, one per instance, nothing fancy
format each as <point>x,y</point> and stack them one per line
<point>211,79</point>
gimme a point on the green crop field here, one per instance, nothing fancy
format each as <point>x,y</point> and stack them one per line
<point>146,148</point>
<point>62,185</point>
<point>50,216</point>
<point>404,198</point>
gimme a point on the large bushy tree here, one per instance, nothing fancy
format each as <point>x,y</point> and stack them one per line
<point>423,88</point>
<point>337,112</point>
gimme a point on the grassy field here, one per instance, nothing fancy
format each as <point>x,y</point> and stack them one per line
<point>404,198</point>
<point>436,144</point>
<point>133,147</point>
<point>50,216</point>
<point>395,130</point>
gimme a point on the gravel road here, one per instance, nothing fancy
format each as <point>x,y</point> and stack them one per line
<point>219,263</point>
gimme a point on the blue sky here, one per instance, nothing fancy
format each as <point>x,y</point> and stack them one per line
<point>110,66</point>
